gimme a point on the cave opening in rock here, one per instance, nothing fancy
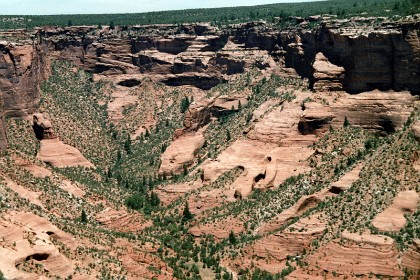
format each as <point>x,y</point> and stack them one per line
<point>50,233</point>
<point>38,257</point>
<point>310,126</point>
<point>259,177</point>
<point>335,190</point>
<point>129,83</point>
<point>387,125</point>
<point>310,202</point>
<point>39,131</point>
<point>241,168</point>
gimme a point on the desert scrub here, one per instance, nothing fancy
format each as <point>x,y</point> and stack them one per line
<point>21,136</point>
<point>72,99</point>
<point>230,126</point>
<point>385,174</point>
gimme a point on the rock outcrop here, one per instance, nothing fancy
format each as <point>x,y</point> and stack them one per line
<point>42,127</point>
<point>3,138</point>
<point>23,68</point>
<point>392,218</point>
<point>327,76</point>
<point>358,254</point>
<point>52,150</point>
<point>27,241</point>
<point>58,154</point>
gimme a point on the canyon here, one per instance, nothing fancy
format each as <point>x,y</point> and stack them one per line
<point>279,142</point>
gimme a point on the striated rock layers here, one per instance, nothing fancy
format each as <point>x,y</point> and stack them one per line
<point>335,55</point>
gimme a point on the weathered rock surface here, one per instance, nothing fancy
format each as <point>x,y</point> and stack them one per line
<point>359,58</point>
<point>371,58</point>
<point>271,252</point>
<point>52,150</point>
<point>58,154</point>
<point>42,127</point>
<point>358,255</point>
<point>122,220</point>
<point>34,169</point>
<point>23,192</point>
<point>327,76</point>
<point>411,258</point>
<point>27,238</point>
<point>392,218</point>
<point>181,152</point>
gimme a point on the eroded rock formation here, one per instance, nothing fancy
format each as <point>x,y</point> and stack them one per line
<point>332,56</point>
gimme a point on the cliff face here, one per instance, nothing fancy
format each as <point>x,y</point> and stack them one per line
<point>386,57</point>
<point>381,58</point>
<point>3,139</point>
<point>22,68</point>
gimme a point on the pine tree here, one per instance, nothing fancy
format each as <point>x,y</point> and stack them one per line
<point>186,214</point>
<point>232,238</point>
<point>346,122</point>
<point>83,217</point>
<point>127,145</point>
<point>154,199</point>
<point>185,104</point>
<point>228,137</point>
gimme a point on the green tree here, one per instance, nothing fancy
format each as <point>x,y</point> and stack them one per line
<point>186,214</point>
<point>185,104</point>
<point>127,145</point>
<point>154,199</point>
<point>232,237</point>
<point>111,25</point>
<point>83,217</point>
<point>228,136</point>
<point>346,122</point>
<point>135,201</point>
<point>69,23</point>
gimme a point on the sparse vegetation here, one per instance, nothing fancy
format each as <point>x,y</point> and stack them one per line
<point>193,224</point>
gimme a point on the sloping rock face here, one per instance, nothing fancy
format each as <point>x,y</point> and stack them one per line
<point>392,219</point>
<point>58,154</point>
<point>367,253</point>
<point>27,238</point>
<point>52,150</point>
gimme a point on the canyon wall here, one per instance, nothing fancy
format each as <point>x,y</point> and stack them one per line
<point>386,57</point>
<point>373,58</point>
